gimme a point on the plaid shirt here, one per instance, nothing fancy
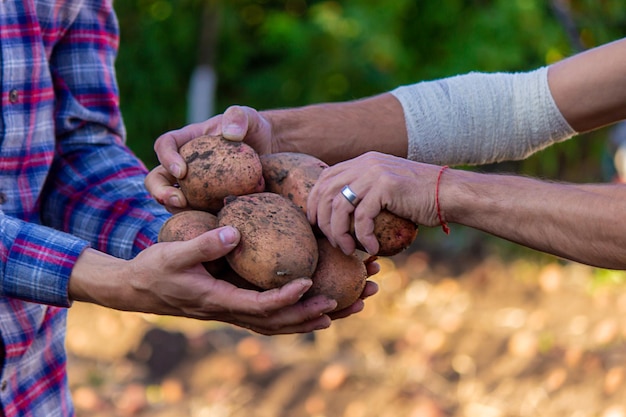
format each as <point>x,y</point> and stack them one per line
<point>67,182</point>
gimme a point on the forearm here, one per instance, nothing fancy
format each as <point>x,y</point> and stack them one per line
<point>100,279</point>
<point>580,223</point>
<point>36,261</point>
<point>590,88</point>
<point>95,188</point>
<point>335,132</point>
<point>107,204</point>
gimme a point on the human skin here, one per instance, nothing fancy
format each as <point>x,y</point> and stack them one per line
<point>366,142</point>
<point>168,279</point>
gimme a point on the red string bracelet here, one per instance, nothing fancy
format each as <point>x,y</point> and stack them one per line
<point>444,224</point>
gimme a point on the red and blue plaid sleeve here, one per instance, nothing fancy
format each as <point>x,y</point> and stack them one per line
<point>67,181</point>
<point>37,261</point>
<point>96,185</point>
<point>64,162</point>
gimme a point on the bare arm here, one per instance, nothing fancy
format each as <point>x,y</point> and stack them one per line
<point>578,222</point>
<point>590,88</point>
<point>168,278</point>
<point>335,132</point>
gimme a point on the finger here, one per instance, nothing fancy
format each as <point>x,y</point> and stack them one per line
<point>160,184</point>
<point>371,288</point>
<point>340,221</point>
<point>319,323</point>
<point>356,307</point>
<point>322,217</point>
<point>256,307</point>
<point>166,146</point>
<point>364,216</point>
<point>372,266</point>
<point>321,200</point>
<point>312,202</point>
<point>288,295</point>
<point>206,247</point>
<point>304,316</point>
<point>235,123</point>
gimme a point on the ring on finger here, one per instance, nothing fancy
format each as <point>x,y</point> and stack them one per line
<point>350,195</point>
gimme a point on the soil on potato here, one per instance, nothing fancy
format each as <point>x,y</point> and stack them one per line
<point>461,327</point>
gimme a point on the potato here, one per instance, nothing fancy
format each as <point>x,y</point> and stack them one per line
<point>291,175</point>
<point>277,242</point>
<point>338,276</point>
<point>217,168</point>
<point>394,234</point>
<point>186,225</point>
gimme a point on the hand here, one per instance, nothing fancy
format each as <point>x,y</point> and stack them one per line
<point>380,181</point>
<point>169,279</point>
<point>236,124</point>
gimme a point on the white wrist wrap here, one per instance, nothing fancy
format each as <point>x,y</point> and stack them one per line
<point>480,118</point>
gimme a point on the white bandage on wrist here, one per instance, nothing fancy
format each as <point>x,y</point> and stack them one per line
<point>480,118</point>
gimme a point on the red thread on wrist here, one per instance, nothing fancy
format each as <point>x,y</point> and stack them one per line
<point>442,222</point>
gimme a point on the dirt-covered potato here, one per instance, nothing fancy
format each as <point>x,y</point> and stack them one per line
<point>394,233</point>
<point>338,276</point>
<point>217,168</point>
<point>186,225</point>
<point>277,242</point>
<point>291,175</point>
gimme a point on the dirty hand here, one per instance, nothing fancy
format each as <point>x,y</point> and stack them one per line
<point>238,123</point>
<point>169,279</point>
<point>380,181</point>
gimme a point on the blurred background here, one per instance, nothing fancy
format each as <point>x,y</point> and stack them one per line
<point>464,325</point>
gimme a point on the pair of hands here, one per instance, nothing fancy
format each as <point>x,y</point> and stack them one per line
<point>381,181</point>
<point>279,310</point>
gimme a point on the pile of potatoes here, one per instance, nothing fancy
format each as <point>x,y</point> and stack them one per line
<point>264,197</point>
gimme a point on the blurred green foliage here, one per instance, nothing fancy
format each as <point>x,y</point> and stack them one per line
<point>287,53</point>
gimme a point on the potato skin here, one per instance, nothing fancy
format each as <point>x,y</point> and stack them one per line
<point>277,242</point>
<point>394,233</point>
<point>291,175</point>
<point>338,276</point>
<point>186,225</point>
<point>217,168</point>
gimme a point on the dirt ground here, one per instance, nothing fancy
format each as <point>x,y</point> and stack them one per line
<point>460,328</point>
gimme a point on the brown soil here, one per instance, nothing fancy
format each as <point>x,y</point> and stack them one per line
<point>461,330</point>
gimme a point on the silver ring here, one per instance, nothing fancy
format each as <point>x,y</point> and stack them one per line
<point>347,192</point>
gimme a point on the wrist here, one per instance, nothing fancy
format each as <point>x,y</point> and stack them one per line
<point>95,278</point>
<point>460,194</point>
<point>282,124</point>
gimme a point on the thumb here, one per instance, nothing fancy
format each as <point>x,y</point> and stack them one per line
<point>206,247</point>
<point>235,123</point>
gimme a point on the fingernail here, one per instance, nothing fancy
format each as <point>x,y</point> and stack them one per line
<point>305,286</point>
<point>232,131</point>
<point>332,304</point>
<point>228,235</point>
<point>323,326</point>
<point>176,170</point>
<point>174,201</point>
